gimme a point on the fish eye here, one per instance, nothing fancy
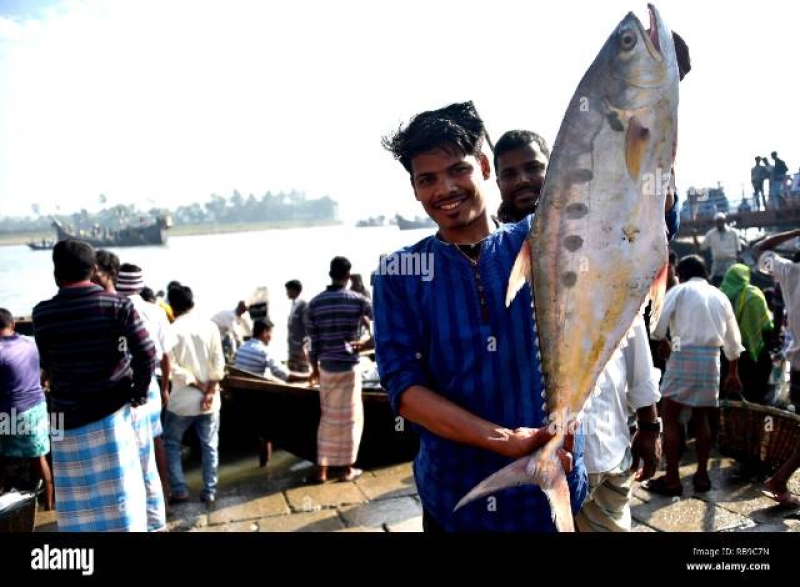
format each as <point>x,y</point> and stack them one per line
<point>627,40</point>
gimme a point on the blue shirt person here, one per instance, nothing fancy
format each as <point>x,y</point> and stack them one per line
<point>454,359</point>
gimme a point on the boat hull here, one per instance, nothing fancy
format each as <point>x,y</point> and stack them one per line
<point>256,409</point>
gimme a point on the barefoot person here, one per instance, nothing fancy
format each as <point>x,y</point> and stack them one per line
<point>700,319</point>
<point>334,318</point>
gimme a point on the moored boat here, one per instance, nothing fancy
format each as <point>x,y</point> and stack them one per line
<point>288,416</point>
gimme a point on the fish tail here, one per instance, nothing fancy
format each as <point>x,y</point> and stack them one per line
<point>542,468</point>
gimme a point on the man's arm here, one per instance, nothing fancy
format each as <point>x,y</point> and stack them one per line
<point>313,349</point>
<point>659,332</point>
<point>770,243</point>
<point>448,420</point>
<point>216,370</point>
<point>141,348</point>
<point>642,396</point>
<point>165,374</point>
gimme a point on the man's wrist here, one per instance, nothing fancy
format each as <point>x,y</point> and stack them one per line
<point>649,426</point>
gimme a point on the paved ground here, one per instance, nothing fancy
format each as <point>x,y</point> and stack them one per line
<point>278,499</point>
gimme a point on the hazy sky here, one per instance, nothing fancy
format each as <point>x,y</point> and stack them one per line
<point>165,102</point>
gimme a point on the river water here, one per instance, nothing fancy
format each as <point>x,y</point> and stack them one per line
<point>222,269</point>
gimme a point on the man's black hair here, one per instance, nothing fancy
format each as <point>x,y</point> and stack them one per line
<point>173,284</point>
<point>514,139</point>
<point>294,285</point>
<point>691,266</point>
<point>148,295</point>
<point>6,319</point>
<point>181,299</point>
<point>74,260</point>
<point>261,326</point>
<point>340,268</point>
<point>457,129</point>
<point>682,55</point>
<point>108,262</point>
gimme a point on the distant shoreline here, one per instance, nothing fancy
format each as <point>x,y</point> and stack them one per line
<point>23,238</point>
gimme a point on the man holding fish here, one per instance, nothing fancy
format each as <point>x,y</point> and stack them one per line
<point>460,354</point>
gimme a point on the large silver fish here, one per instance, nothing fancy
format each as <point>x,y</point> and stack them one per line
<point>598,240</point>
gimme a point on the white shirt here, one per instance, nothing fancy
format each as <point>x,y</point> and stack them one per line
<point>156,323</point>
<point>628,382</point>
<point>239,326</point>
<point>197,356</point>
<point>787,275</point>
<point>698,314</point>
<point>724,247</point>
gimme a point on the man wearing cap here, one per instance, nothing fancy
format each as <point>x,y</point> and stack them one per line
<point>130,284</point>
<point>725,245</point>
<point>334,319</point>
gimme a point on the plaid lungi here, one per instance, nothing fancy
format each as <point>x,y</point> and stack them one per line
<point>98,477</point>
<point>154,407</point>
<point>692,376</point>
<point>342,417</point>
<point>156,509</point>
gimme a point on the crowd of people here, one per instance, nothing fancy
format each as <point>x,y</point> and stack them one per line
<point>128,373</point>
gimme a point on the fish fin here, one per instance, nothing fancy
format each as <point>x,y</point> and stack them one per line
<point>636,139</point>
<point>542,468</point>
<point>560,505</point>
<point>658,291</point>
<point>520,273</point>
<point>513,475</point>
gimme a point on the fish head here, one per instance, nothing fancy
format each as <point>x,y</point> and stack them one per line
<point>641,62</point>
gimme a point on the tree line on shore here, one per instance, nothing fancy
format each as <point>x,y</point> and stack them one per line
<point>270,207</point>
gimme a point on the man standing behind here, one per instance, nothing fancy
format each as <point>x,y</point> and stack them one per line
<point>725,246</point>
<point>757,176</point>
<point>520,163</point>
<point>100,361</point>
<point>334,318</point>
<point>197,368</point>
<point>700,319</point>
<point>298,354</point>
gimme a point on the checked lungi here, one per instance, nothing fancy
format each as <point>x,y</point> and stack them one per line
<point>692,376</point>
<point>342,417</point>
<point>141,418</point>
<point>98,477</point>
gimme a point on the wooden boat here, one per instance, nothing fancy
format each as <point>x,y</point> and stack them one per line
<point>257,411</point>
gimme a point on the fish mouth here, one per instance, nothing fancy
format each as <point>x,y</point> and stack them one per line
<point>652,36</point>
